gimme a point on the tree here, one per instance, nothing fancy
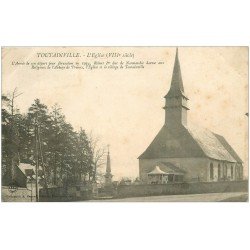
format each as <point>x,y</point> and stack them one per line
<point>6,136</point>
<point>57,142</point>
<point>39,129</point>
<point>99,157</point>
<point>45,139</point>
<point>84,156</point>
<point>10,136</point>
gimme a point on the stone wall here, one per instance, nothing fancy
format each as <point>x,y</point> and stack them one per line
<point>181,188</point>
<point>72,193</point>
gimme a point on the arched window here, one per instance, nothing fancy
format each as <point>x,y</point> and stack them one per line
<point>232,172</point>
<point>240,172</point>
<point>211,171</point>
<point>236,172</point>
<point>219,171</point>
<point>225,171</point>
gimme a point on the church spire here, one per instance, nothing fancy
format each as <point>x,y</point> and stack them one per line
<point>176,88</point>
<point>176,100</point>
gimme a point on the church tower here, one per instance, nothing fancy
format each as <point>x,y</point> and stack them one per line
<point>176,100</point>
<point>108,176</point>
<point>188,151</point>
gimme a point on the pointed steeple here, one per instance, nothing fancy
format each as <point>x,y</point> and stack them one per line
<point>176,88</point>
<point>176,100</point>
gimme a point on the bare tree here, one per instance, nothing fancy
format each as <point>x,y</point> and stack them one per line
<point>99,157</point>
<point>14,95</point>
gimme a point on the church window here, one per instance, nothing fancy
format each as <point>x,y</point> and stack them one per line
<point>240,171</point>
<point>225,171</point>
<point>232,171</point>
<point>219,172</point>
<point>211,171</point>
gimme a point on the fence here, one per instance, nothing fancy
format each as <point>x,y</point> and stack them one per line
<point>181,188</point>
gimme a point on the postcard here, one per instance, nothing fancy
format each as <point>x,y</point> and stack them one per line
<point>124,124</point>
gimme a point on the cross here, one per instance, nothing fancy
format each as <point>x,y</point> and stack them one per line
<point>108,147</point>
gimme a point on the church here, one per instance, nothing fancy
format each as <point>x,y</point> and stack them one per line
<point>182,152</point>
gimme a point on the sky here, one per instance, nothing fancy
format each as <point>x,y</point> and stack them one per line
<point>124,107</point>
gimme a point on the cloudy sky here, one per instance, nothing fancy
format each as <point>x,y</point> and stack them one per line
<point>124,107</point>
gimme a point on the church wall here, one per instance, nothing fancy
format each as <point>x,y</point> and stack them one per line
<point>228,171</point>
<point>239,171</point>
<point>195,168</point>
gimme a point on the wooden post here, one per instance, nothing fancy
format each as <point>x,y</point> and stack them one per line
<point>42,163</point>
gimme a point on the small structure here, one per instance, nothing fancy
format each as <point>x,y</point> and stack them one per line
<point>108,176</point>
<point>157,176</point>
<point>14,178</point>
<point>170,174</point>
<point>29,171</point>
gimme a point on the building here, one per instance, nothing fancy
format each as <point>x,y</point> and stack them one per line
<point>14,178</point>
<point>30,172</point>
<point>184,152</point>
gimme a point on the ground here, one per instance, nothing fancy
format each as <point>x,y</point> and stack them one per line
<point>212,197</point>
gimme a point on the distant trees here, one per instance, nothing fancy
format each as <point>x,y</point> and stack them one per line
<point>7,148</point>
<point>10,134</point>
<point>65,155</point>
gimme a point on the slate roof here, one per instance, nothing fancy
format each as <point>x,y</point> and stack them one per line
<point>189,141</point>
<point>228,148</point>
<point>210,144</point>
